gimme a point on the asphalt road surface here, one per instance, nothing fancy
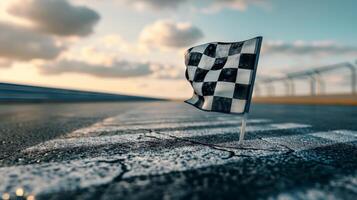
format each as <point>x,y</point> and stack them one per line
<point>170,150</point>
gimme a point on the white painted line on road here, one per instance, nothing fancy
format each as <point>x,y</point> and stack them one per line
<point>138,137</point>
<point>88,142</point>
<point>169,116</point>
<point>339,136</point>
<point>249,129</point>
<point>75,174</point>
<point>314,140</point>
<point>52,177</point>
<point>104,127</point>
<point>124,121</point>
<point>61,176</point>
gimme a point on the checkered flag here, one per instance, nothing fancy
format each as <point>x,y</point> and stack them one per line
<point>222,75</point>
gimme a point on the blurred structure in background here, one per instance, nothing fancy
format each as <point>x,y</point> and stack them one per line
<point>326,84</point>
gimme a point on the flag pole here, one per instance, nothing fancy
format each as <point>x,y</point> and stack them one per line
<point>242,128</point>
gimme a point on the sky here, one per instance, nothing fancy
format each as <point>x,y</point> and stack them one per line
<point>137,46</point>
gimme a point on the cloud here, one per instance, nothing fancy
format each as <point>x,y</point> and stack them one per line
<point>19,43</point>
<point>167,33</point>
<point>241,5</point>
<point>118,69</point>
<point>319,48</point>
<point>105,50</point>
<point>203,5</point>
<point>57,17</point>
<point>5,63</point>
<point>116,43</point>
<point>161,71</point>
<point>105,57</point>
<point>154,4</point>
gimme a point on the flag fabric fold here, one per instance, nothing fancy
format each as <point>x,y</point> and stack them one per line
<point>222,75</point>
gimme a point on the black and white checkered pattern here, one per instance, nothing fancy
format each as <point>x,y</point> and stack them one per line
<point>222,75</point>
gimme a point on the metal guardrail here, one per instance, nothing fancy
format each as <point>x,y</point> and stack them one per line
<point>315,77</point>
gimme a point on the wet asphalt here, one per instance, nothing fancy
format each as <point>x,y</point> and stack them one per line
<point>24,125</point>
<point>178,152</point>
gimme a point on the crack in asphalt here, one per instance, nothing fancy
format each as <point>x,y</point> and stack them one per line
<point>4,157</point>
<point>290,150</point>
<point>231,153</point>
<point>124,168</point>
<point>223,148</point>
<point>245,148</point>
